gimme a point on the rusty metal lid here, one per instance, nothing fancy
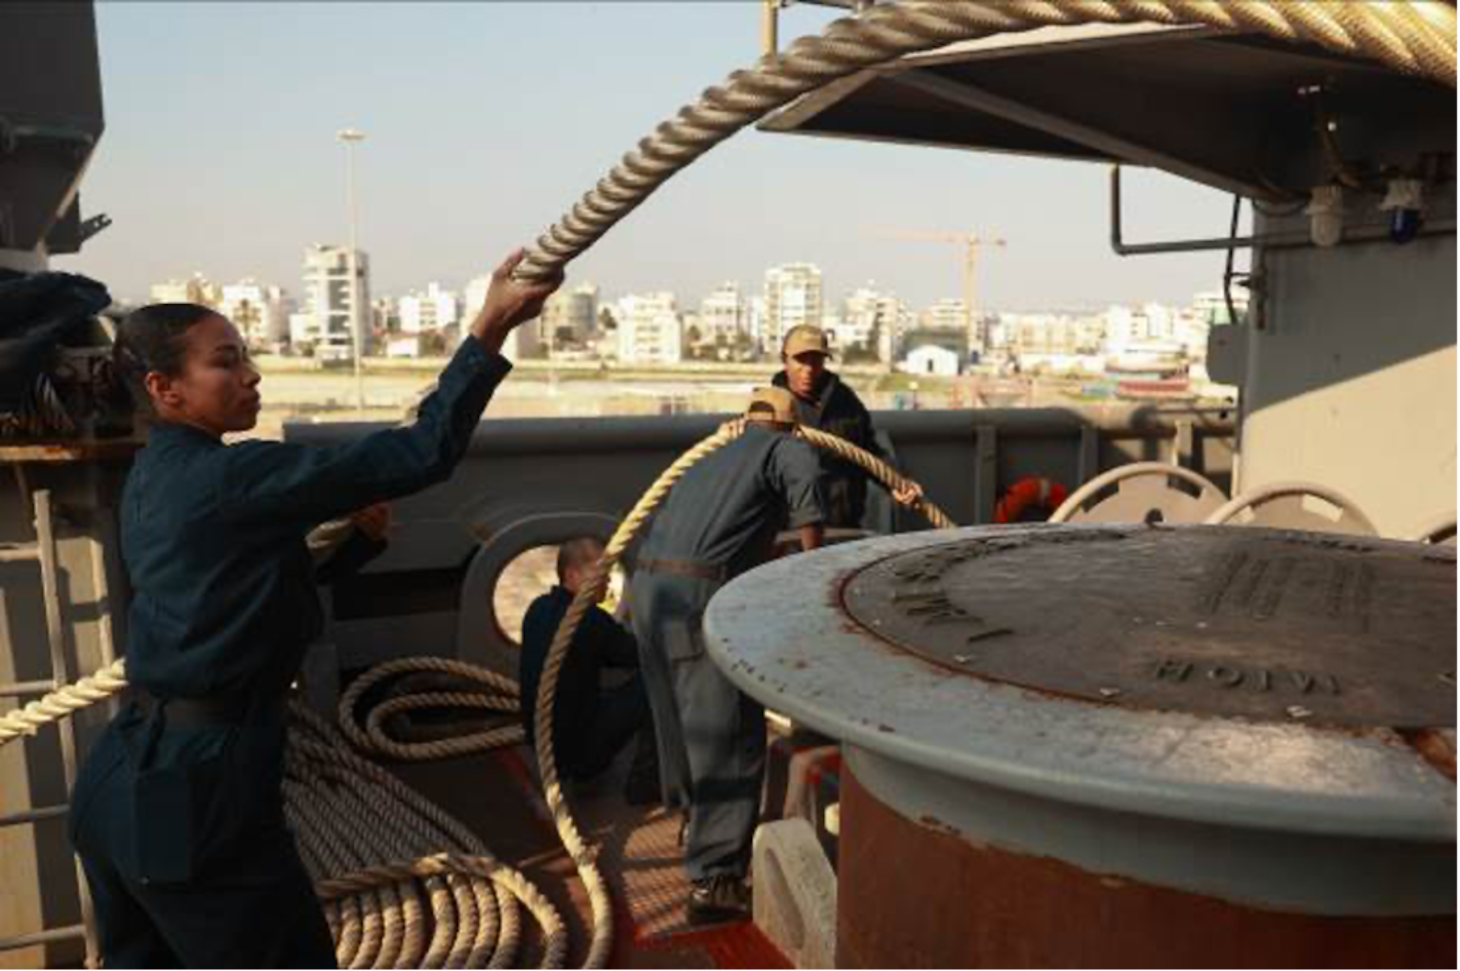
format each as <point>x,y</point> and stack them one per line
<point>1077,702</point>
<point>1258,624</point>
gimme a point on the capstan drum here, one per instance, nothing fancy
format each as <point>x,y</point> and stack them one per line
<point>1123,745</point>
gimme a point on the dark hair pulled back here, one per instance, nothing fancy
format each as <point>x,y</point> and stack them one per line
<point>154,338</point>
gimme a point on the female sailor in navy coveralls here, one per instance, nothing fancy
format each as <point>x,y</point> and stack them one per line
<point>178,812</point>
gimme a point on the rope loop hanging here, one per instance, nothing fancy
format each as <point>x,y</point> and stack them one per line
<point>1411,36</point>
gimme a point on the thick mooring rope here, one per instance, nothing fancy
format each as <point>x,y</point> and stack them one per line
<point>588,596</point>
<point>1412,36</point>
<point>420,890</point>
<point>350,815</point>
<point>367,839</point>
<point>500,696</point>
<point>100,685</point>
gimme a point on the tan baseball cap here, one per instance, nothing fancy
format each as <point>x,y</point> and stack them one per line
<point>771,404</point>
<point>803,338</point>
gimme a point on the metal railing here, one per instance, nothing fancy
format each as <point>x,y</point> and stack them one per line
<point>524,482</point>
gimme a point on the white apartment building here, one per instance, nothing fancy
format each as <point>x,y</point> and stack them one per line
<point>724,314</point>
<point>570,314</point>
<point>432,310</point>
<point>328,296</point>
<point>1212,306</point>
<point>260,312</point>
<point>869,316</point>
<point>1127,326</point>
<point>756,322</point>
<point>195,289</point>
<point>650,330</point>
<point>1056,333</point>
<point>792,298</point>
<point>946,314</point>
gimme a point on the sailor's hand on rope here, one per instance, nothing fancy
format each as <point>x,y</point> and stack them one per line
<point>511,302</point>
<point>910,494</point>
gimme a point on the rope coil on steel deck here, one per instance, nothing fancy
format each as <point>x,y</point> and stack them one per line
<point>375,911</point>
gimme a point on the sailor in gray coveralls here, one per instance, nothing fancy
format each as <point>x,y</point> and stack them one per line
<point>720,520</point>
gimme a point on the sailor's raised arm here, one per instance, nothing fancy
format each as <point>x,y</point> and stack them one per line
<point>290,483</point>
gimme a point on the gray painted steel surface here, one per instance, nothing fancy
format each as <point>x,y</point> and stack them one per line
<point>1330,821</point>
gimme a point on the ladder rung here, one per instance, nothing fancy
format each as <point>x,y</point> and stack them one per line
<point>33,815</point>
<point>74,932</point>
<point>14,554</point>
<point>16,689</point>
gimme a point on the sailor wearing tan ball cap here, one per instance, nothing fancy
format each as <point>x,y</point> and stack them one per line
<point>720,520</point>
<point>821,400</point>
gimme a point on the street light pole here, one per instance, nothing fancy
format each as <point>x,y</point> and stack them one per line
<point>350,136</point>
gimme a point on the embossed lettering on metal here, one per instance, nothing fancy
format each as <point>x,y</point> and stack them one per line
<point>1264,624</point>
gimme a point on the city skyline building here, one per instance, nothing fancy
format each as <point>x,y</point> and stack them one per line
<point>867,325</point>
<point>947,313</point>
<point>792,298</point>
<point>194,289</point>
<point>650,329</point>
<point>325,323</point>
<point>259,311</point>
<point>430,310</point>
<point>570,315</point>
<point>872,320</point>
<point>724,314</point>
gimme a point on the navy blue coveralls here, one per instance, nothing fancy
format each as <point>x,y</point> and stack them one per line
<point>590,724</point>
<point>720,520</point>
<point>180,825</point>
<point>838,411</point>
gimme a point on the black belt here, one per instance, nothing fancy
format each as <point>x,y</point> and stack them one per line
<point>685,568</point>
<point>194,712</point>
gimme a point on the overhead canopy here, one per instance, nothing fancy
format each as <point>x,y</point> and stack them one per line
<point>1226,110</point>
<point>50,120</point>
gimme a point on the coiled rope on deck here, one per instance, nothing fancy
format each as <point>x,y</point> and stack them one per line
<point>1412,36</point>
<point>500,696</point>
<point>368,839</point>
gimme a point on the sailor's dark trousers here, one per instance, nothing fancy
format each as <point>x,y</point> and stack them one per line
<point>712,737</point>
<point>187,854</point>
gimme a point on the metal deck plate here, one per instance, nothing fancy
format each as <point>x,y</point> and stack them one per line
<point>1260,624</point>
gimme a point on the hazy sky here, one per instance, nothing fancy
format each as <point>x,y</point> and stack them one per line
<point>486,121</point>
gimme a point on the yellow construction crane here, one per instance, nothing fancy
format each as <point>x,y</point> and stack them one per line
<point>971,243</point>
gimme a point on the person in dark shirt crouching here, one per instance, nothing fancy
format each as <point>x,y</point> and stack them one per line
<point>591,724</point>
